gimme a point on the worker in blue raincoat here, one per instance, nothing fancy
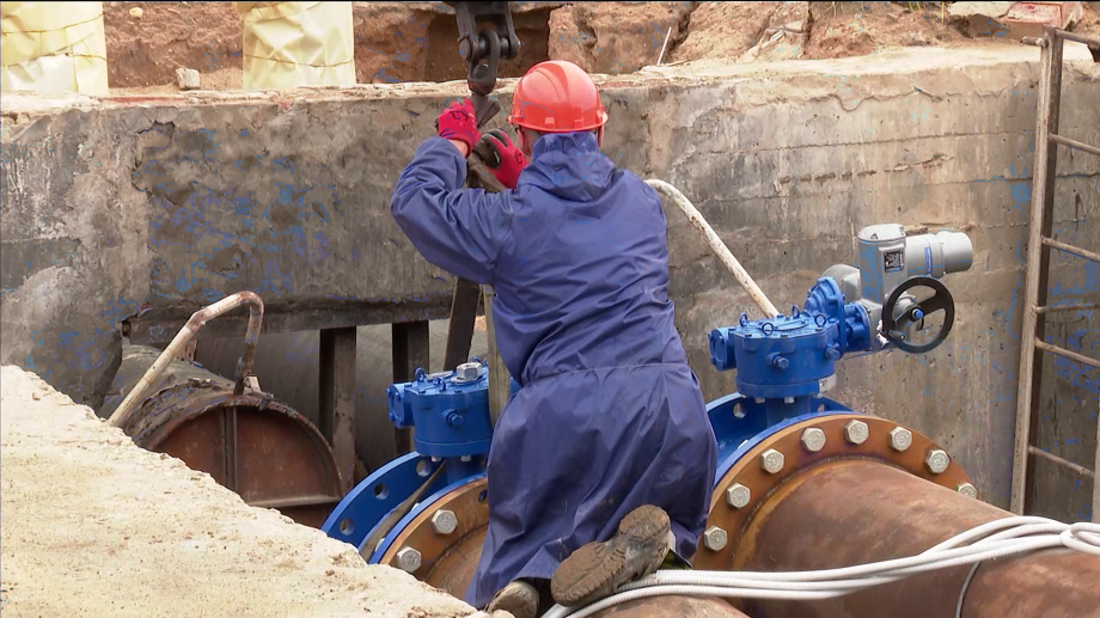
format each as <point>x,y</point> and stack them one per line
<point>602,463</point>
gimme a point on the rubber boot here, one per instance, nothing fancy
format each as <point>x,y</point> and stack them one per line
<point>639,547</point>
<point>518,598</point>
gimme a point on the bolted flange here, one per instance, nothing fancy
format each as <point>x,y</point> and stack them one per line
<point>715,538</point>
<point>856,432</point>
<point>937,461</point>
<point>813,439</point>
<point>771,461</point>
<point>968,490</point>
<point>408,560</point>
<point>738,496</point>
<point>444,522</point>
<point>900,439</point>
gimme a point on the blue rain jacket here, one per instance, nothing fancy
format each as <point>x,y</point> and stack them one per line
<point>609,417</point>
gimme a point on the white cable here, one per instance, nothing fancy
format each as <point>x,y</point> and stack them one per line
<point>696,218</point>
<point>1000,538</point>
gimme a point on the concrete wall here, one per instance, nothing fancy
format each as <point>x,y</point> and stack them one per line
<point>114,206</point>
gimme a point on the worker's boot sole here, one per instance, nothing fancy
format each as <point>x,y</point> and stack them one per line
<point>520,599</point>
<point>597,569</point>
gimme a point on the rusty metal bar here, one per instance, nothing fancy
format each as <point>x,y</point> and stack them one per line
<point>294,501</point>
<point>1083,471</point>
<point>336,359</point>
<point>1038,263</point>
<point>1078,251</point>
<point>1072,143</point>
<point>850,512</point>
<point>1064,308</point>
<point>1091,41</point>
<point>1053,349</point>
<point>255,322</point>
<point>412,350</point>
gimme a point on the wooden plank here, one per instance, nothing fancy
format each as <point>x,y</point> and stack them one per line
<point>460,330</point>
<point>499,378</point>
<point>336,391</point>
<point>411,351</point>
<point>1038,264</point>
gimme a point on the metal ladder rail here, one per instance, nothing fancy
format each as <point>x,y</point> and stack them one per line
<point>1038,268</point>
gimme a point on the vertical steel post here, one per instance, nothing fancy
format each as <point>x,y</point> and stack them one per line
<point>336,360</point>
<point>1038,262</point>
<point>411,351</point>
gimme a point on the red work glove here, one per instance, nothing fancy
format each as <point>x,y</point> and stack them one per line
<point>504,159</point>
<point>458,122</point>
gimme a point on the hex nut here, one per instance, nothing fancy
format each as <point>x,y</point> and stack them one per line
<point>468,372</point>
<point>444,522</point>
<point>900,439</point>
<point>738,496</point>
<point>968,490</point>
<point>813,439</point>
<point>772,461</point>
<point>715,538</point>
<point>856,432</point>
<point>937,461</point>
<point>408,560</point>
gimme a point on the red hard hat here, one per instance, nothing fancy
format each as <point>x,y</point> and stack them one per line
<point>557,96</point>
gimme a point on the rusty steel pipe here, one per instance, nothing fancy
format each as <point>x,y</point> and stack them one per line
<point>121,415</point>
<point>250,443</point>
<point>855,511</point>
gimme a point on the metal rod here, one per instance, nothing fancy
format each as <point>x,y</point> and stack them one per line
<point>255,321</point>
<point>724,254</point>
<point>1065,308</point>
<point>1078,251</point>
<point>1077,37</point>
<point>1053,349</point>
<point>294,501</point>
<point>662,56</point>
<point>1083,471</point>
<point>1038,258</point>
<point>1072,143</point>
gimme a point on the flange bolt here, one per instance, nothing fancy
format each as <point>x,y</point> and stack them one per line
<point>772,461</point>
<point>778,361</point>
<point>715,538</point>
<point>468,372</point>
<point>900,439</point>
<point>738,496</point>
<point>444,522</point>
<point>937,461</point>
<point>856,432</point>
<point>968,490</point>
<point>813,439</point>
<point>408,560</point>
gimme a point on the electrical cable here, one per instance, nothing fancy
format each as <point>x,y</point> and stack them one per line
<point>1002,538</point>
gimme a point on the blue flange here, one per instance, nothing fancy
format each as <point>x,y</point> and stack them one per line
<point>424,505</point>
<point>370,501</point>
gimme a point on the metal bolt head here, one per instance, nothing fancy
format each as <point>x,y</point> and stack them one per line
<point>738,496</point>
<point>444,522</point>
<point>771,461</point>
<point>468,372</point>
<point>788,400</point>
<point>715,538</point>
<point>813,439</point>
<point>937,461</point>
<point>968,490</point>
<point>856,432</point>
<point>408,560</point>
<point>900,438</point>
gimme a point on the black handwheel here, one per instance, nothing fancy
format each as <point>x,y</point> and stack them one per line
<point>894,329</point>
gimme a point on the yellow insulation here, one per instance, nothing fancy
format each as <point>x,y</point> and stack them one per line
<point>288,44</point>
<point>53,47</point>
